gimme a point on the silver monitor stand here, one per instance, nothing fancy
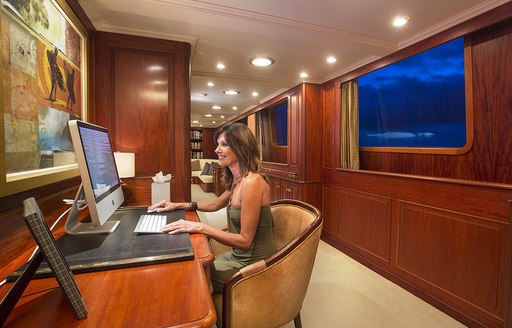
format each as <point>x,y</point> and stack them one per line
<point>74,226</point>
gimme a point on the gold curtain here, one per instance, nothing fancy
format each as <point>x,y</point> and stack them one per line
<point>349,141</point>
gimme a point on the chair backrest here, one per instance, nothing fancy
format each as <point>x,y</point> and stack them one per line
<point>269,293</point>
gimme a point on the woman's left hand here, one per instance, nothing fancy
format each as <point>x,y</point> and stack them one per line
<point>183,226</point>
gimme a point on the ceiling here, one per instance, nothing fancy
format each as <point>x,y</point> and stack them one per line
<point>298,34</point>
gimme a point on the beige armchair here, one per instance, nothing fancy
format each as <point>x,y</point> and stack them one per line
<point>270,292</point>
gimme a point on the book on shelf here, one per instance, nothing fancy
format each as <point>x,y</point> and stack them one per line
<point>196,134</point>
<point>54,257</point>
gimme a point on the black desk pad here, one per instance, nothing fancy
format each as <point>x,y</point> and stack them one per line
<point>86,253</point>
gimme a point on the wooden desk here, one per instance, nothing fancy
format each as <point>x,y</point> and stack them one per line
<point>171,294</point>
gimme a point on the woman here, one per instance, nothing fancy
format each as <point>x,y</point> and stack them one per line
<point>247,198</point>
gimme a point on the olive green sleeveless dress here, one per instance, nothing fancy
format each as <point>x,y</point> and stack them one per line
<point>263,246</point>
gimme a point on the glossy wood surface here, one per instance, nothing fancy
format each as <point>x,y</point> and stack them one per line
<point>438,225</point>
<point>170,294</point>
<point>209,144</point>
<point>491,153</point>
<point>174,294</point>
<point>151,121</point>
<point>447,241</point>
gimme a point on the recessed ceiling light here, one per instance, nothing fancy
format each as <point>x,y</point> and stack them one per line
<point>222,116</point>
<point>331,59</point>
<point>216,107</point>
<point>221,66</point>
<point>200,125</point>
<point>304,75</point>
<point>213,122</point>
<point>231,92</point>
<point>208,115</point>
<point>211,84</point>
<point>195,121</point>
<point>261,61</point>
<point>400,21</point>
<point>235,108</point>
<point>254,94</point>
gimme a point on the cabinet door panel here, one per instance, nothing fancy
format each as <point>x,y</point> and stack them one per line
<point>275,188</point>
<point>290,190</point>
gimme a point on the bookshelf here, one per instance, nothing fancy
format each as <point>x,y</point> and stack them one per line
<point>196,143</point>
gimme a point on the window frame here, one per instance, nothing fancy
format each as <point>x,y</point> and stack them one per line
<point>468,81</point>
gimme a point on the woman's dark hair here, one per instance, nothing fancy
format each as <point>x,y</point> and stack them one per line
<point>243,143</point>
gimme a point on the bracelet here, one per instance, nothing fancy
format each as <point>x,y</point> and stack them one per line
<point>192,206</point>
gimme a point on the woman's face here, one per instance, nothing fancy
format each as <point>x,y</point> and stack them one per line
<point>226,155</point>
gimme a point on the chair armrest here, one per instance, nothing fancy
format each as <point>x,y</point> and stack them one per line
<point>253,268</point>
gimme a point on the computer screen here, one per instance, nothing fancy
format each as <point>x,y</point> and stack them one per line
<point>100,181</point>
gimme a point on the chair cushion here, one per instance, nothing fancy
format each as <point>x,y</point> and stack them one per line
<point>206,169</point>
<point>195,165</point>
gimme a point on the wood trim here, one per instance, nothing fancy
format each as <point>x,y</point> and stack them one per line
<point>450,240</point>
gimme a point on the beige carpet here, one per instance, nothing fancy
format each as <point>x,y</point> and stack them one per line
<point>344,293</point>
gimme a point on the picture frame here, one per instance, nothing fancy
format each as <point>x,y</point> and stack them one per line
<point>49,250</point>
<point>44,47</point>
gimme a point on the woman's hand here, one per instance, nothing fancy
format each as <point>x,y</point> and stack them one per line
<point>183,226</point>
<point>163,206</point>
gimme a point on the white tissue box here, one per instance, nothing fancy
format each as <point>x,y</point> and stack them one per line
<point>160,191</point>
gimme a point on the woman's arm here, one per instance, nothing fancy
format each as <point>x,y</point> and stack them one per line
<point>252,192</point>
<point>209,205</point>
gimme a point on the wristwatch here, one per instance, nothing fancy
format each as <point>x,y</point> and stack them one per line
<point>192,206</point>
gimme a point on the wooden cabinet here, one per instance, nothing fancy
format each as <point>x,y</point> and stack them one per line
<point>284,189</point>
<point>299,175</point>
<point>201,143</point>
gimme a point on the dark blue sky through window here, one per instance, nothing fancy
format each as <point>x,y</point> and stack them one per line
<point>281,119</point>
<point>416,102</point>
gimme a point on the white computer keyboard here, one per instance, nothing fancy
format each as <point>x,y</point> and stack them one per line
<point>150,224</point>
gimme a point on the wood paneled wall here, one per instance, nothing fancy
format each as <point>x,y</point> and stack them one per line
<point>141,94</point>
<point>490,156</point>
<point>446,241</point>
<point>438,225</point>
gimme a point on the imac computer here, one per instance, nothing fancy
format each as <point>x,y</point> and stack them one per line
<point>100,181</point>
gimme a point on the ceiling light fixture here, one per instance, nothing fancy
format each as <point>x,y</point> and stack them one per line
<point>216,107</point>
<point>231,92</point>
<point>208,115</point>
<point>400,21</point>
<point>331,59</point>
<point>254,94</point>
<point>195,121</point>
<point>221,66</point>
<point>235,108</point>
<point>304,75</point>
<point>211,84</point>
<point>261,61</point>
